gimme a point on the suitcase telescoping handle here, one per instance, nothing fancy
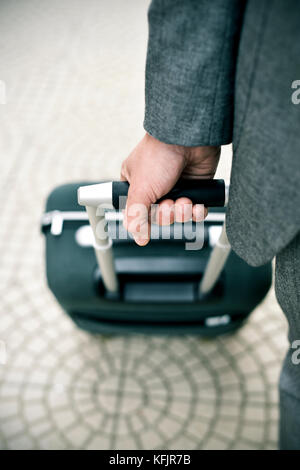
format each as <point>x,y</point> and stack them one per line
<point>209,192</point>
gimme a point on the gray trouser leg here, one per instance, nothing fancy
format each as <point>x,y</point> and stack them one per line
<point>289,427</point>
<point>287,284</point>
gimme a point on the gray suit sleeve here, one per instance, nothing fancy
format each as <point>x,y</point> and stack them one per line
<point>190,69</point>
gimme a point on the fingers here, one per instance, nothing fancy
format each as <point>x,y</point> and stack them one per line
<point>185,210</point>
<point>199,212</point>
<point>182,210</point>
<point>138,209</point>
<point>169,211</point>
<point>136,215</point>
<point>165,213</point>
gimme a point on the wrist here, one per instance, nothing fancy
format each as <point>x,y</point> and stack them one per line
<point>189,153</point>
<point>201,152</point>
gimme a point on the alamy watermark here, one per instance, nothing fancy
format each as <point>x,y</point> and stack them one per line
<point>295,97</point>
<point>192,233</point>
<point>296,353</point>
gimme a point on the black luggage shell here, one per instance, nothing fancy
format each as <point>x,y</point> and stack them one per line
<point>147,276</point>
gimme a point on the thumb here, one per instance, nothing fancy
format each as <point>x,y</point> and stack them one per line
<point>137,212</point>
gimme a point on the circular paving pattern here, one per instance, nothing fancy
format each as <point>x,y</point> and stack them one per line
<point>73,112</point>
<point>63,388</point>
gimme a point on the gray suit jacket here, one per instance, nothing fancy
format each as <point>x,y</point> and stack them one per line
<point>221,71</point>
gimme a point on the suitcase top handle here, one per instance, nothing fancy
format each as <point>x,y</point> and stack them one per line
<point>210,192</point>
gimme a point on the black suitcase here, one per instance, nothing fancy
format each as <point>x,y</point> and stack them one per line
<point>158,282</point>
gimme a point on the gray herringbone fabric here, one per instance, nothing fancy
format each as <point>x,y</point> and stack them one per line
<point>288,294</point>
<point>264,208</point>
<point>220,71</point>
<point>190,70</point>
<point>195,57</point>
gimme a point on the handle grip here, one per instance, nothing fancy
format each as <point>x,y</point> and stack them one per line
<point>210,192</point>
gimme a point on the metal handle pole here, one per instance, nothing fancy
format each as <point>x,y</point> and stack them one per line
<point>216,262</point>
<point>103,249</point>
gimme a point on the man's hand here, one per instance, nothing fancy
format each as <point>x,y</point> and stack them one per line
<point>152,169</point>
